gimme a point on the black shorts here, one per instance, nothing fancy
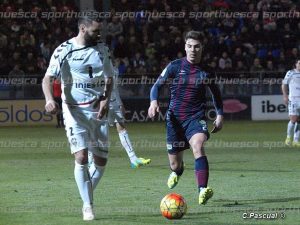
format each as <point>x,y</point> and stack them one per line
<point>180,132</point>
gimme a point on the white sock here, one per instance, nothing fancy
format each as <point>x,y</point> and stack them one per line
<point>125,141</point>
<point>84,184</point>
<point>296,132</point>
<point>90,158</point>
<point>290,129</point>
<point>96,173</point>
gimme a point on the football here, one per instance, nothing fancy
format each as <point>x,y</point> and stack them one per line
<point>173,206</point>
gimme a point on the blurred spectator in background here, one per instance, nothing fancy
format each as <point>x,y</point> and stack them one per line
<point>16,72</point>
<point>121,48</point>
<point>256,66</point>
<point>16,87</point>
<point>137,61</point>
<point>268,39</point>
<point>114,28</point>
<point>4,69</point>
<point>30,64</point>
<point>225,60</point>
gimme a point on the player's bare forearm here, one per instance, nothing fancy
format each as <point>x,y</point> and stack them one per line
<point>284,89</point>
<point>47,88</point>
<point>50,106</point>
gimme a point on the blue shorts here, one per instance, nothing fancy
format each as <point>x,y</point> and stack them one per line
<point>180,132</point>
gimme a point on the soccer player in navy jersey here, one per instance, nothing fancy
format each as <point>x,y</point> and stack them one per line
<point>186,122</point>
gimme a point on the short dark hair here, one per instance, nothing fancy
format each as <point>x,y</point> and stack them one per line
<point>87,17</point>
<point>196,35</point>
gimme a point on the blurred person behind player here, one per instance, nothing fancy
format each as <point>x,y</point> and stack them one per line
<point>116,116</point>
<point>85,69</point>
<point>57,99</point>
<point>291,97</point>
<point>186,121</point>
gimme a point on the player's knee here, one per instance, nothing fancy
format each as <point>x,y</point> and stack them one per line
<point>120,127</point>
<point>294,119</point>
<point>81,157</point>
<point>197,146</point>
<point>100,161</point>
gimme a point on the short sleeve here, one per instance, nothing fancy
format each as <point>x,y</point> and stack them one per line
<point>55,63</point>
<point>287,78</point>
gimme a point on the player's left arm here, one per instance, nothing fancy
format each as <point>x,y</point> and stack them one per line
<point>284,87</point>
<point>118,97</point>
<point>217,99</point>
<point>108,73</point>
<point>161,80</point>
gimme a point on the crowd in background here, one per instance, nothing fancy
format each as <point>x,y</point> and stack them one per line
<point>144,44</point>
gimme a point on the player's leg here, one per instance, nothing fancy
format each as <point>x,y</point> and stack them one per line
<point>176,144</point>
<point>115,117</point>
<point>84,184</point>
<point>197,134</point>
<point>201,167</point>
<point>97,169</point>
<point>296,142</point>
<point>291,123</point>
<point>177,167</point>
<point>135,162</point>
<point>78,139</point>
<point>291,128</point>
<point>99,149</point>
<point>82,177</point>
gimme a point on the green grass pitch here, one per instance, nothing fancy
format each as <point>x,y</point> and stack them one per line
<point>250,171</point>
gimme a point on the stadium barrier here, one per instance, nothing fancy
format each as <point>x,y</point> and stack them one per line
<point>258,107</point>
<point>268,107</point>
<point>247,96</point>
<point>234,108</point>
<point>24,112</point>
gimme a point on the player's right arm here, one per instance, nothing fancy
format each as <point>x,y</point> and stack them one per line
<point>154,107</point>
<point>51,106</point>
<point>53,71</point>
<point>285,91</point>
<point>284,87</point>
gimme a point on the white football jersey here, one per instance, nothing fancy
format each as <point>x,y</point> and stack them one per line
<point>292,79</point>
<point>82,69</point>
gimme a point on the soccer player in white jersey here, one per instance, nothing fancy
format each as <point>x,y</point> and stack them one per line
<point>291,97</point>
<point>85,69</point>
<point>116,116</point>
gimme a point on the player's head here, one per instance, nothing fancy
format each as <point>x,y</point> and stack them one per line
<point>297,64</point>
<point>193,46</point>
<point>89,27</point>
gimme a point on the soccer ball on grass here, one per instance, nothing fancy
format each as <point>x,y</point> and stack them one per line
<point>173,206</point>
